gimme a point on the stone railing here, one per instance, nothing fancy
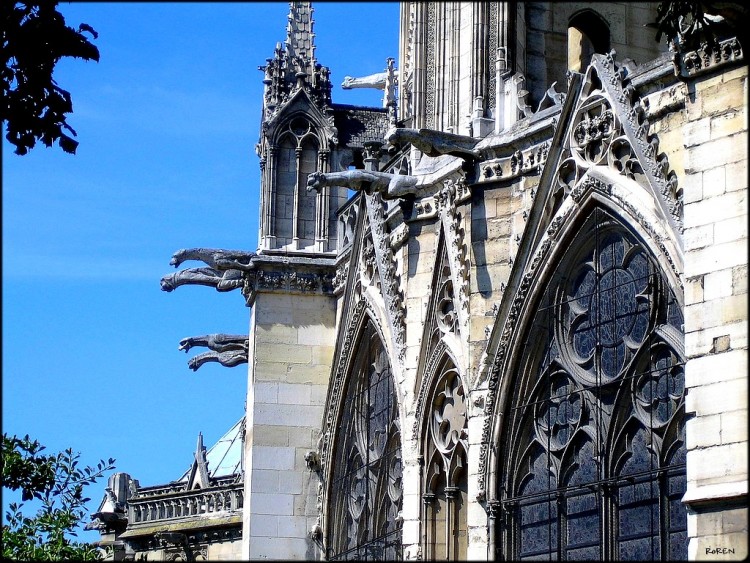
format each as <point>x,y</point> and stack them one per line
<point>184,504</point>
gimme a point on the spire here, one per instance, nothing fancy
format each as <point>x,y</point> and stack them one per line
<point>199,471</point>
<point>293,65</point>
<point>299,37</point>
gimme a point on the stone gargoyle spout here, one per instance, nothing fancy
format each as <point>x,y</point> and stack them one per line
<point>228,359</point>
<point>389,185</point>
<point>216,258</point>
<point>434,143</point>
<point>216,342</point>
<point>376,81</point>
<point>227,349</point>
<point>223,272</point>
<point>221,280</point>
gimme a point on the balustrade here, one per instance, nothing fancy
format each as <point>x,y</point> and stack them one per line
<point>184,504</point>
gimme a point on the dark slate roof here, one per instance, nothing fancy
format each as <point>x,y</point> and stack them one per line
<point>357,124</point>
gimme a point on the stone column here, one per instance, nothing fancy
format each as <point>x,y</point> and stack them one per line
<point>292,339</point>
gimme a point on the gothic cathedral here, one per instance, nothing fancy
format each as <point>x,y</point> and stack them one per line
<point>503,316</point>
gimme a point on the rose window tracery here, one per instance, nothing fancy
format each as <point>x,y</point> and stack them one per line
<point>593,447</point>
<point>446,314</point>
<point>558,417</point>
<point>449,415</point>
<point>608,307</point>
<point>658,391</point>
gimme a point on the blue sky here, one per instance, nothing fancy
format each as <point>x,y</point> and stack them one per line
<point>167,123</point>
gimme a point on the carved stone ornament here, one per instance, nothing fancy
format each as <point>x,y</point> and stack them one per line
<point>707,58</point>
<point>434,143</point>
<point>389,185</point>
<point>453,192</point>
<point>522,162</point>
<point>286,282</point>
<point>223,272</point>
<point>389,278</point>
<point>636,144</point>
<point>228,350</point>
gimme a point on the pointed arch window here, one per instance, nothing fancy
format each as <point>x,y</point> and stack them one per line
<point>298,155</point>
<point>445,483</point>
<point>588,33</point>
<point>364,521</point>
<point>593,447</point>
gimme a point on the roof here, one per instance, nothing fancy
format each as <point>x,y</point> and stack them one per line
<point>356,125</point>
<point>225,456</point>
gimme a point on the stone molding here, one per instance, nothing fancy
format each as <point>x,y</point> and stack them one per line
<point>521,163</point>
<point>706,59</point>
<point>615,83</point>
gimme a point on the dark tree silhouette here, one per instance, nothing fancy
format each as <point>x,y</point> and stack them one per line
<point>34,106</point>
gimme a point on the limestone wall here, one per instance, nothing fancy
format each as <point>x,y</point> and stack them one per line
<point>291,340</point>
<point>715,238</point>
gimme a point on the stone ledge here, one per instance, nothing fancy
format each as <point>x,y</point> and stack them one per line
<point>712,494</point>
<point>184,525</point>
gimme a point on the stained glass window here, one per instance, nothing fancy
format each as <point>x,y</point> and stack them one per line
<point>593,448</point>
<point>445,487</point>
<point>366,492</point>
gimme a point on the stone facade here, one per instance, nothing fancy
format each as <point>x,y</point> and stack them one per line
<point>525,335</point>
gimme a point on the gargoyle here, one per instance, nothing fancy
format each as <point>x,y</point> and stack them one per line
<point>376,81</point>
<point>228,359</point>
<point>434,143</point>
<point>390,185</point>
<point>224,271</point>
<point>228,349</point>
<point>216,342</point>
<point>216,258</point>
<point>224,280</point>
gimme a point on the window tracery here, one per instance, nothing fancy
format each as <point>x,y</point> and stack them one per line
<point>594,440</point>
<point>296,157</point>
<point>366,488</point>
<point>445,484</point>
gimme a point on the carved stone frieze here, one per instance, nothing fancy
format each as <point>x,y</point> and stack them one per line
<point>339,279</point>
<point>664,101</point>
<point>399,236</point>
<point>425,208</point>
<point>520,163</point>
<point>586,185</point>
<point>707,58</point>
<point>261,279</point>
<point>431,63</point>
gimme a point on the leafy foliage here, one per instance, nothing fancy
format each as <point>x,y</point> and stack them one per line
<point>57,482</point>
<point>35,38</point>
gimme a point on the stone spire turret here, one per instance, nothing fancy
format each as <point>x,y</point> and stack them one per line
<point>300,47</point>
<point>293,65</point>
